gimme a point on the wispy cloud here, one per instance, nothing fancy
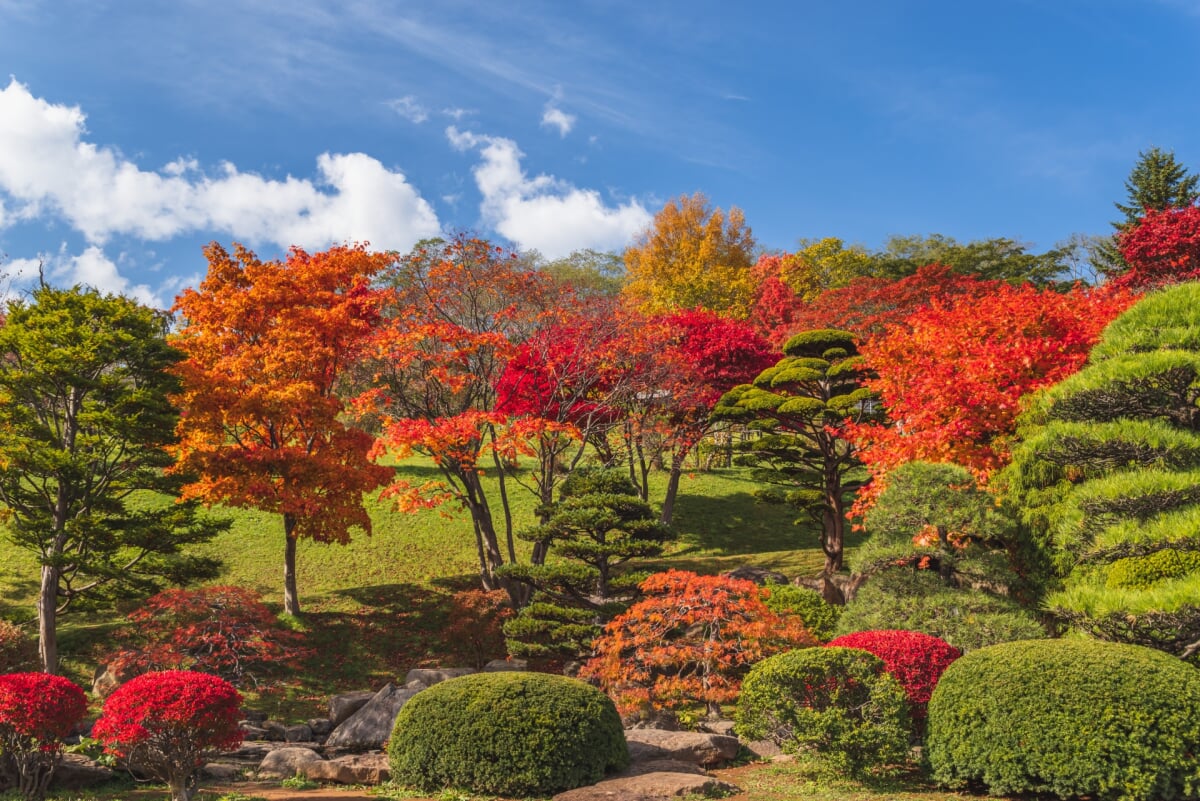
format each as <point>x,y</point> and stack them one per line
<point>408,108</point>
<point>559,120</point>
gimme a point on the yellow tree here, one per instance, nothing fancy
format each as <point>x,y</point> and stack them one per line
<point>821,264</point>
<point>693,257</point>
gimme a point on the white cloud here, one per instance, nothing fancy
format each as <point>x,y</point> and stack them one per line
<point>91,268</point>
<point>544,212</point>
<point>558,119</point>
<point>456,113</point>
<point>408,108</point>
<point>46,167</point>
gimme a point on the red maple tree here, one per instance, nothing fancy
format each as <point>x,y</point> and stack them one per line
<point>1163,248</point>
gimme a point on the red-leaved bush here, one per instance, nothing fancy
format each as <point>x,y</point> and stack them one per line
<point>37,710</point>
<point>688,643</point>
<point>226,631</point>
<point>167,724</point>
<point>916,660</point>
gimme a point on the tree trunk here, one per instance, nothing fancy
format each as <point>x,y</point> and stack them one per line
<point>182,789</point>
<point>833,522</point>
<point>48,619</point>
<point>291,599</point>
<point>668,507</point>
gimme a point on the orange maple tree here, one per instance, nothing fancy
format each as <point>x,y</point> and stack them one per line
<point>952,376</point>
<point>688,643</point>
<point>267,343</point>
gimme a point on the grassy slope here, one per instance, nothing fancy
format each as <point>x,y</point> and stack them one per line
<point>378,605</point>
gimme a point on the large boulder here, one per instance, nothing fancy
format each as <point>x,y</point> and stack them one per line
<point>351,769</point>
<point>650,787</point>
<point>432,676</point>
<point>698,748</point>
<point>77,772</point>
<point>283,763</point>
<point>370,727</point>
<point>342,706</point>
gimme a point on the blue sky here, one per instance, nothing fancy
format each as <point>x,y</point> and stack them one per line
<point>132,132</point>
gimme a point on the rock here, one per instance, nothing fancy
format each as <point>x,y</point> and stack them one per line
<point>649,787</point>
<point>759,575</point>
<point>354,769</point>
<point>275,731</point>
<point>662,766</point>
<point>431,676</point>
<point>341,707</point>
<point>764,749</point>
<point>698,748</point>
<point>253,732</point>
<point>320,726</point>
<point>505,665</point>
<point>77,772</point>
<point>300,733</point>
<point>104,681</point>
<point>284,763</point>
<point>371,726</point>
<point>718,727</point>
<point>416,684</point>
<point>644,752</point>
<point>221,772</point>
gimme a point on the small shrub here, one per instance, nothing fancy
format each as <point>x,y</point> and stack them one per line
<point>917,601</point>
<point>1070,717</point>
<point>18,651</point>
<point>37,710</point>
<point>299,782</point>
<point>167,724</point>
<point>819,615</point>
<point>1140,572</point>
<point>688,643</point>
<point>511,734</point>
<point>226,631</point>
<point>914,658</point>
<point>839,702</point>
<point>475,625</point>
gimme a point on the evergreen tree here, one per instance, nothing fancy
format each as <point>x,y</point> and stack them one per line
<point>599,524</point>
<point>1107,476</point>
<point>1157,181</point>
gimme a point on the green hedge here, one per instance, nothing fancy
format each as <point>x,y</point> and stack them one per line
<point>839,702</point>
<point>510,734</point>
<point>819,616</point>
<point>1069,717</point>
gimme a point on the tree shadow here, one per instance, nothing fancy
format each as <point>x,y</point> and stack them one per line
<point>738,523</point>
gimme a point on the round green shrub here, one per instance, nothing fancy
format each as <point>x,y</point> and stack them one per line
<point>819,615</point>
<point>510,734</point>
<point>839,702</point>
<point>1070,717</point>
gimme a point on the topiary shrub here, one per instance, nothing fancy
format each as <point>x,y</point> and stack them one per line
<point>1071,717</point>
<point>913,658</point>
<point>167,724</point>
<point>510,734</point>
<point>37,710</point>
<point>839,702</point>
<point>1142,572</point>
<point>819,615</point>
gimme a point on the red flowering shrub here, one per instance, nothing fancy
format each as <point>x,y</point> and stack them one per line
<point>37,710</point>
<point>167,724</point>
<point>689,642</point>
<point>916,660</point>
<point>17,650</point>
<point>227,631</point>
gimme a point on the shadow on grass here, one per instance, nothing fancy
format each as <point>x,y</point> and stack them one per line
<point>738,523</point>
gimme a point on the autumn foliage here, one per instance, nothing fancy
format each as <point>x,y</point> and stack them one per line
<point>952,377</point>
<point>168,724</point>
<point>688,643</point>
<point>1163,248</point>
<point>226,631</point>
<point>37,711</point>
<point>267,345</point>
<point>914,658</point>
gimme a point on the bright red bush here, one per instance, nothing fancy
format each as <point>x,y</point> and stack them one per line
<point>688,643</point>
<point>1163,248</point>
<point>916,659</point>
<point>37,710</point>
<point>226,631</point>
<point>168,723</point>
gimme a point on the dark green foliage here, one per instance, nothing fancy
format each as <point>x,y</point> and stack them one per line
<point>599,524</point>
<point>1105,474</point>
<point>510,734</point>
<point>996,259</point>
<point>85,420</point>
<point>819,615</point>
<point>917,600</point>
<point>1070,717</point>
<point>839,702</point>
<point>798,406</point>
